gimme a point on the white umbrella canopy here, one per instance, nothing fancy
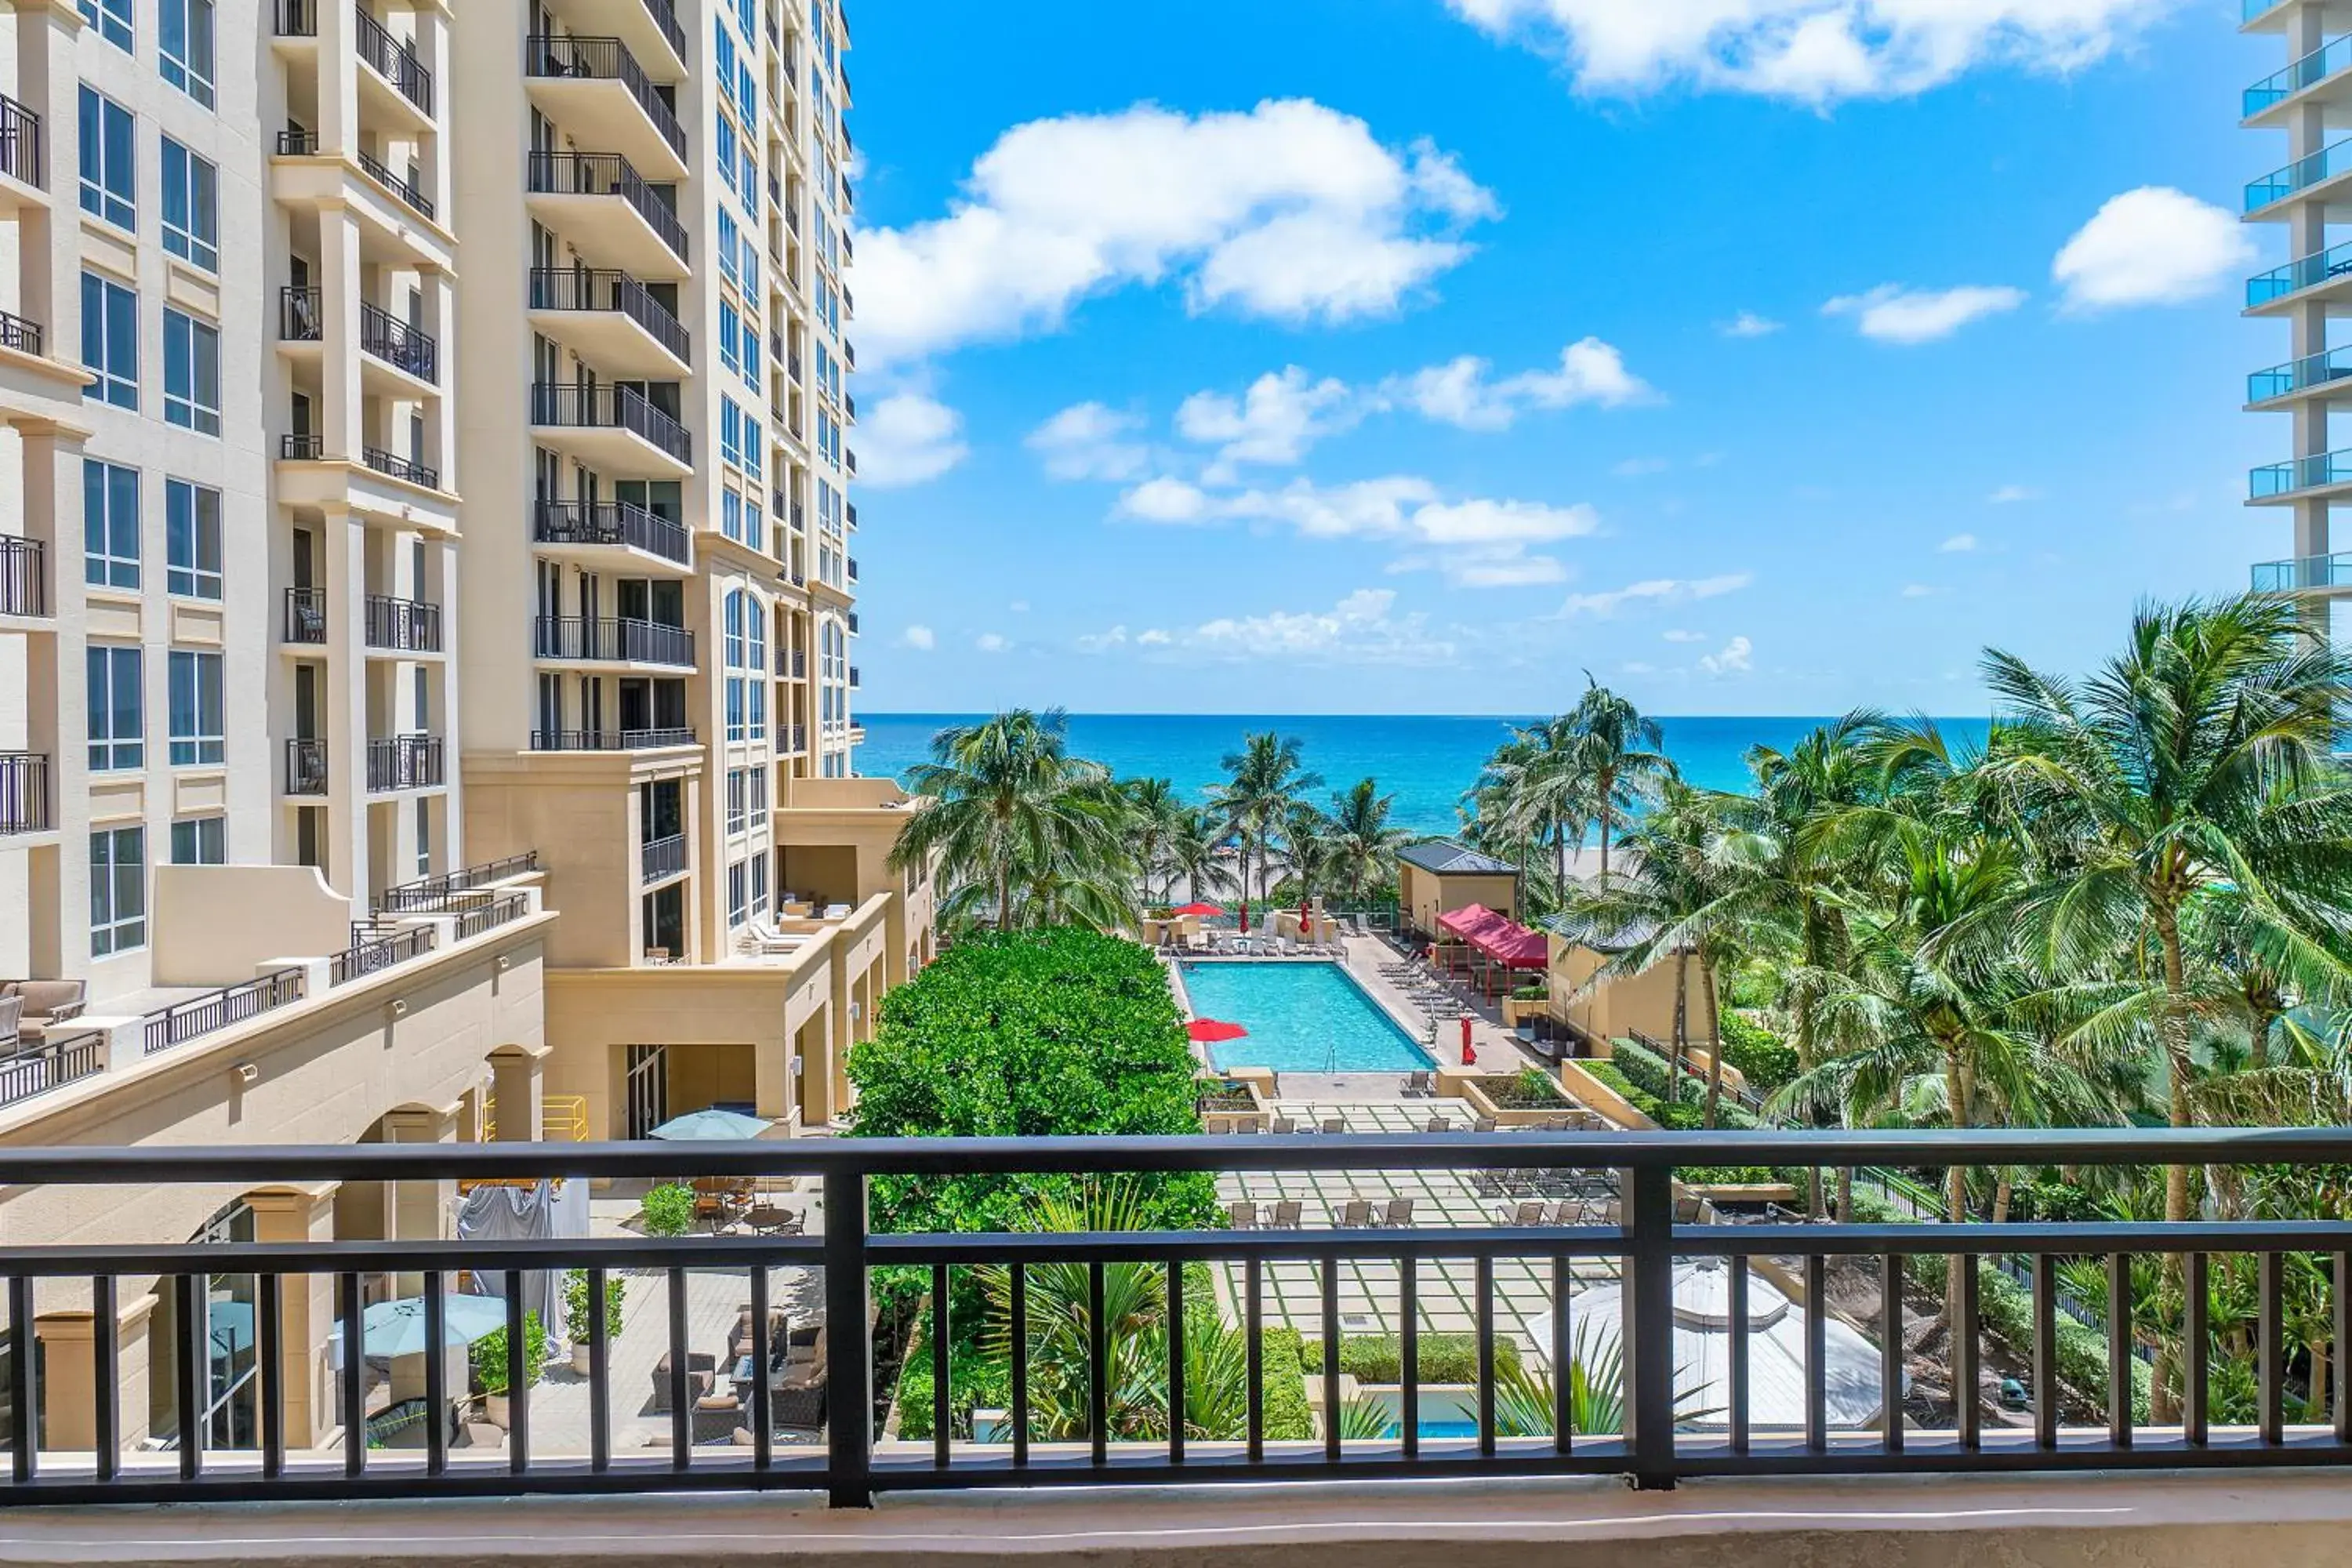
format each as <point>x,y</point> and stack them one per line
<point>1853,1389</point>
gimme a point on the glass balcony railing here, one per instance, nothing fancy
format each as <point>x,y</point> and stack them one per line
<point>2330,160</point>
<point>2302,573</point>
<point>2318,66</point>
<point>2320,470</point>
<point>2256,8</point>
<point>2298,375</point>
<point>2305,272</point>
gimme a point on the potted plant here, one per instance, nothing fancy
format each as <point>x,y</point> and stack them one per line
<point>489,1359</point>
<point>667,1210</point>
<point>577,1323</point>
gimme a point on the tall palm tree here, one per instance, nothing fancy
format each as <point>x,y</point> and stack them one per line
<point>1532,797</point>
<point>1155,808</point>
<point>1364,847</point>
<point>1263,780</point>
<point>1309,854</point>
<point>1619,757</point>
<point>1196,854</point>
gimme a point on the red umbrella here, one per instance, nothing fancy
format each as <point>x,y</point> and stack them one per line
<point>1208,1031</point>
<point>1201,912</point>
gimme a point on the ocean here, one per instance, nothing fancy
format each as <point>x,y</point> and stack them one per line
<point>1426,763</point>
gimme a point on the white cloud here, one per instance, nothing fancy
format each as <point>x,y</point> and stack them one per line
<point>1749,324</point>
<point>1089,441</point>
<point>1737,658</point>
<point>908,439</point>
<point>989,642</point>
<point>2153,245</point>
<point>1155,637</point>
<point>1654,590</point>
<point>1290,211</point>
<point>1274,423</point>
<point>1166,499</point>
<point>1463,392</point>
<point>1360,629</point>
<point>1103,642</point>
<point>1958,544</point>
<point>2013,495</point>
<point>920,637</point>
<point>1679,635</point>
<point>1892,315</point>
<point>1814,51</point>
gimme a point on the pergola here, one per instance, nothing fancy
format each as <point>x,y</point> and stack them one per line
<point>1492,944</point>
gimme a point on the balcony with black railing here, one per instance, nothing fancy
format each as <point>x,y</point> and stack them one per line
<point>407,470</point>
<point>22,157</point>
<point>610,740</point>
<point>607,406</point>
<point>300,448</point>
<point>373,955</point>
<point>306,615</point>
<point>36,1069</point>
<point>609,177</point>
<point>306,767</point>
<point>399,344</point>
<point>592,640</point>
<point>403,626</point>
<point>24,792</point>
<point>394,59</point>
<point>24,576</point>
<point>432,894</point>
<point>403,186</point>
<point>19,335</point>
<point>184,1021</point>
<point>555,64</point>
<point>405,762</point>
<point>301,315</point>
<point>621,523</point>
<point>608,292</point>
<point>663,858</point>
<point>296,18</point>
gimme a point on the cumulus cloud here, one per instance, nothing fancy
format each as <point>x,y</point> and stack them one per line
<point>1289,210</point>
<point>1465,392</point>
<point>1737,658</point>
<point>1958,544</point>
<point>1090,441</point>
<point>1655,590</point>
<point>920,637</point>
<point>1892,315</point>
<point>989,642</point>
<point>1811,51</point>
<point>1749,324</point>
<point>1103,642</point>
<point>1362,629</point>
<point>1274,423</point>
<point>908,438</point>
<point>2153,245</point>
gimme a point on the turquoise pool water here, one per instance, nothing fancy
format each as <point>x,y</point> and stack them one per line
<point>1301,1017</point>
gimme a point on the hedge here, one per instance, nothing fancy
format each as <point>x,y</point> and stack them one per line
<point>1763,1058</point>
<point>1380,1358</point>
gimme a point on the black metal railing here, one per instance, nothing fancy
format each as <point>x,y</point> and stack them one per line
<point>404,761</point>
<point>301,315</point>
<point>24,792</point>
<point>605,59</point>
<point>395,58</point>
<point>406,189</point>
<point>399,467</point>
<point>185,1021</point>
<point>24,576</point>
<point>608,288</point>
<point>490,915</point>
<point>1637,1272</point>
<point>399,344</point>
<point>607,175</point>
<point>298,19</point>
<point>297,142</point>
<point>306,614</point>
<point>36,1070</point>
<point>302,448</point>
<point>609,740</point>
<point>404,625</point>
<point>796,738</point>
<point>608,406</point>
<point>792,663</point>
<point>306,767</point>
<point>614,640</point>
<point>663,858</point>
<point>21,153</point>
<point>20,334</point>
<point>664,17</point>
<point>430,894</point>
<point>375,954</point>
<point>611,522</point>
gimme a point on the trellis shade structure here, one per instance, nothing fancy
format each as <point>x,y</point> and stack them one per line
<point>1502,940</point>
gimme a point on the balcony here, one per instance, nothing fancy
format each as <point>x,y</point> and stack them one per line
<point>794,739</point>
<point>2321,473</point>
<point>2300,377</point>
<point>2306,178</point>
<point>663,858</point>
<point>2304,575</point>
<point>306,617</point>
<point>22,158</point>
<point>392,464</point>
<point>403,626</point>
<point>296,19</point>
<point>433,895</point>
<point>595,527</point>
<point>184,1021</point>
<point>373,955</point>
<point>611,427</point>
<point>573,639</point>
<point>301,315</point>
<point>2328,60</point>
<point>24,577</point>
<point>791,663</point>
<point>18,335</point>
<point>24,792</point>
<point>404,761</point>
<point>406,189</point>
<point>610,320</point>
<point>2323,268</point>
<point>609,740</point>
<point>650,27</point>
<point>306,767</point>
<point>604,206</point>
<point>395,62</point>
<point>408,349</point>
<point>585,81</point>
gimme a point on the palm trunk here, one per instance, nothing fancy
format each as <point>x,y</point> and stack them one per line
<point>2258,1055</point>
<point>2164,1407</point>
<point>1714,1042</point>
<point>2003,1191</point>
<point>1604,841</point>
<point>1675,1052</point>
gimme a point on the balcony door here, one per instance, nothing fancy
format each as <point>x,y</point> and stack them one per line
<point>648,1074</point>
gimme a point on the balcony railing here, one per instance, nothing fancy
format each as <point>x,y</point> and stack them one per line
<point>664,859</point>
<point>2321,63</point>
<point>605,59</point>
<point>609,740</point>
<point>607,175</point>
<point>2314,472</point>
<point>2303,573</point>
<point>608,406</point>
<point>795,739</point>
<point>21,154</point>
<point>381,171</point>
<point>302,448</point>
<point>589,288</point>
<point>792,663</point>
<point>306,615</point>
<point>301,315</point>
<point>2305,272</point>
<point>611,640</point>
<point>399,344</point>
<point>405,626</point>
<point>490,915</point>
<point>298,19</point>
<point>375,954</point>
<point>664,17</point>
<point>2330,160</point>
<point>2299,375</point>
<point>185,1021</point>
<point>24,792</point>
<point>20,335</point>
<point>2250,9</point>
<point>24,576</point>
<point>36,1070</point>
<point>611,522</point>
<point>394,59</point>
<point>306,767</point>
<point>404,761</point>
<point>432,894</point>
<point>399,467</point>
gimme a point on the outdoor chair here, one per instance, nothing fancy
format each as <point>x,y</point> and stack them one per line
<point>1284,1124</point>
<point>1419,1083</point>
<point>1353,1214</point>
<point>700,1369</point>
<point>1437,1123</point>
<point>1400,1213</point>
<point>1245,1127</point>
<point>1687,1210</point>
<point>44,1003</point>
<point>715,1417</point>
<point>1483,1124</point>
<point>1287,1213</point>
<point>1605,1211</point>
<point>1335,1124</point>
<point>1529,1211</point>
<point>1565,1211</point>
<point>1241,1214</point>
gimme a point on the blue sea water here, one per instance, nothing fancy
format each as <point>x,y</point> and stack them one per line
<point>1301,1018</point>
<point>1425,761</point>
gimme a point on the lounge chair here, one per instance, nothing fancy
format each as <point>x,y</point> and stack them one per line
<point>1241,1214</point>
<point>1419,1083</point>
<point>1438,1124</point>
<point>835,912</point>
<point>1287,1213</point>
<point>1529,1211</point>
<point>1483,1124</point>
<point>1689,1210</point>
<point>1399,1213</point>
<point>1562,1213</point>
<point>1355,1212</point>
<point>1247,1127</point>
<point>1335,1124</point>
<point>1284,1124</point>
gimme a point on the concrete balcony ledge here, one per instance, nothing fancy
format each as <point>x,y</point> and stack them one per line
<point>2279,1521</point>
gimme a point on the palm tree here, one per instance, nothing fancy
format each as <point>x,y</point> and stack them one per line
<point>1007,809</point>
<point>1309,854</point>
<point>1196,852</point>
<point>1532,797</point>
<point>1364,847</point>
<point>1265,779</point>
<point>1618,755</point>
<point>1155,808</point>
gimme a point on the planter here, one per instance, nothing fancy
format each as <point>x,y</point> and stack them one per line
<point>1597,1096</point>
<point>580,1358</point>
<point>496,1410</point>
<point>1473,1092</point>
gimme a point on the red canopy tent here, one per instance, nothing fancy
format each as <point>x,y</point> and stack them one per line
<point>1503,943</point>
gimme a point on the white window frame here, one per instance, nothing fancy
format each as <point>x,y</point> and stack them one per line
<point>189,408</point>
<point>118,891</point>
<point>196,184</point>
<point>198,690</point>
<point>190,67</point>
<point>200,840</point>
<point>192,539</point>
<point>104,305</point>
<point>118,733</point>
<point>109,194</point>
<point>110,524</point>
<point>113,20</point>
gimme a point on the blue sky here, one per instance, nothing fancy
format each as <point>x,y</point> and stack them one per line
<point>1761,356</point>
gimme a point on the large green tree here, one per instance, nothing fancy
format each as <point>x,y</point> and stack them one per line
<point>1263,782</point>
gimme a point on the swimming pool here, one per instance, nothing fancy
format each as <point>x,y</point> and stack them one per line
<point>1301,1017</point>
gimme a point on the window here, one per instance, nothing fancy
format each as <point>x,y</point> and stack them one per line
<point>738,801</point>
<point>191,533</point>
<point>759,794</point>
<point>197,727</point>
<point>200,841</point>
<point>112,18</point>
<point>730,432</point>
<point>727,327</point>
<point>737,904</point>
<point>117,725</point>
<point>424,837</point>
<point>109,180</point>
<point>109,341</point>
<point>760,883</point>
<point>190,373</point>
<point>190,207</point>
<point>727,232</point>
<point>118,891</point>
<point>110,524</point>
<point>184,48</point>
<point>755,445</point>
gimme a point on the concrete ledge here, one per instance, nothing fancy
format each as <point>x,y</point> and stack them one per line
<point>2095,1521</point>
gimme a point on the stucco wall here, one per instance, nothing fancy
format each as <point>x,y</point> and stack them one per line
<point>216,925</point>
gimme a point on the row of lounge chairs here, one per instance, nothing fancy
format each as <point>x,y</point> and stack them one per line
<point>1285,1214</point>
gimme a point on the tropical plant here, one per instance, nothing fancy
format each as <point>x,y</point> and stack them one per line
<point>579,1321</point>
<point>1263,781</point>
<point>1620,758</point>
<point>1197,853</point>
<point>666,1210</point>
<point>1525,1396</point>
<point>1155,811</point>
<point>1364,846</point>
<point>487,1356</point>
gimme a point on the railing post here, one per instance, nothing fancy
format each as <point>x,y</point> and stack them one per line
<point>849,1355</point>
<point>1647,1329</point>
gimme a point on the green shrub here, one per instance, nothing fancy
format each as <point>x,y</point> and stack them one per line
<point>577,1324</point>
<point>1763,1058</point>
<point>489,1355</point>
<point>1645,1069</point>
<point>1611,1077</point>
<point>667,1210</point>
<point>1380,1358</point>
<point>1288,1416</point>
<point>1531,994</point>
